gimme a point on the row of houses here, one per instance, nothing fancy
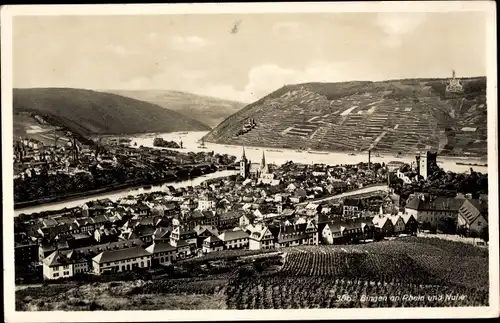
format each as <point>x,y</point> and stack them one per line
<point>129,255</point>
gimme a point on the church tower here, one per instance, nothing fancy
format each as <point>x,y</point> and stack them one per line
<point>244,165</point>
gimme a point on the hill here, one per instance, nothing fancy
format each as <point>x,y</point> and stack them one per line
<point>88,113</point>
<point>208,110</point>
<point>389,116</point>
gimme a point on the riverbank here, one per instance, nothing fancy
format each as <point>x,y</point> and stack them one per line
<point>281,156</point>
<point>117,193</point>
<point>76,195</point>
<point>339,150</point>
<point>130,185</point>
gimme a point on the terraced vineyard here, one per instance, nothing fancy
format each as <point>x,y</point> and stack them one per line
<point>391,116</point>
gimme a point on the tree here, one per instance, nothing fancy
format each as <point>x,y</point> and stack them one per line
<point>462,231</point>
<point>484,234</point>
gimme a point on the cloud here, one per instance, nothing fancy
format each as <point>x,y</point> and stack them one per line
<point>261,79</point>
<point>187,43</point>
<point>399,23</point>
<point>116,49</point>
<point>266,78</point>
<point>287,29</point>
<point>167,77</point>
<point>153,36</point>
<point>120,50</point>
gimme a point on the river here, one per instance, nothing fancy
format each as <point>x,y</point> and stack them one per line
<point>281,156</point>
<point>115,195</point>
<point>190,142</point>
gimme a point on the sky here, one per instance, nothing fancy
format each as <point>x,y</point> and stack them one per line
<point>206,54</point>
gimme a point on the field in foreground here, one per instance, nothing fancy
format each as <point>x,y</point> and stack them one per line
<point>408,272</point>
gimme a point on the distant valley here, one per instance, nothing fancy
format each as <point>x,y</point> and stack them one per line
<point>207,110</point>
<point>390,116</point>
<point>88,113</point>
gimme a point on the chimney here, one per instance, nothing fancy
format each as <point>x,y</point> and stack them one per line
<point>369,158</point>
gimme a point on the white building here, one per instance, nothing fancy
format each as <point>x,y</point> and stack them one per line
<point>63,264</point>
<point>206,202</point>
<point>260,237</point>
<point>121,260</point>
<point>163,253</point>
<point>234,239</point>
<point>212,244</point>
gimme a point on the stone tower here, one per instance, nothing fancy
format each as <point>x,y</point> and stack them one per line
<point>243,165</point>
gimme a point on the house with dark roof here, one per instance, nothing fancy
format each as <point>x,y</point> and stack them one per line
<point>428,209</point>
<point>45,249</point>
<point>212,244</point>
<point>229,219</point>
<point>121,260</point>
<point>90,209</point>
<point>297,234</point>
<point>351,207</point>
<point>78,240</point>
<point>103,234</point>
<point>246,219</point>
<point>411,224</point>
<point>398,223</point>
<point>142,210</point>
<point>205,217</point>
<point>473,215</point>
<point>92,251</point>
<point>162,233</point>
<point>145,233</point>
<point>60,229</point>
<point>180,234</point>
<point>234,239</point>
<point>383,226</point>
<point>85,224</point>
<point>25,254</point>
<point>163,253</point>
<point>348,231</point>
<point>205,231</point>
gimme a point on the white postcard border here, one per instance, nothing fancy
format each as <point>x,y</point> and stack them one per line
<point>7,13</point>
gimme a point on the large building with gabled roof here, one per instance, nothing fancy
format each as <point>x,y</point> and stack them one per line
<point>121,260</point>
<point>64,264</point>
<point>163,253</point>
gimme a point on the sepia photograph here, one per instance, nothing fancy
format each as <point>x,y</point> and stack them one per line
<point>226,161</point>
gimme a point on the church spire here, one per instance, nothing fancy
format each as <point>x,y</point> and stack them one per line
<point>243,157</point>
<point>263,162</point>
